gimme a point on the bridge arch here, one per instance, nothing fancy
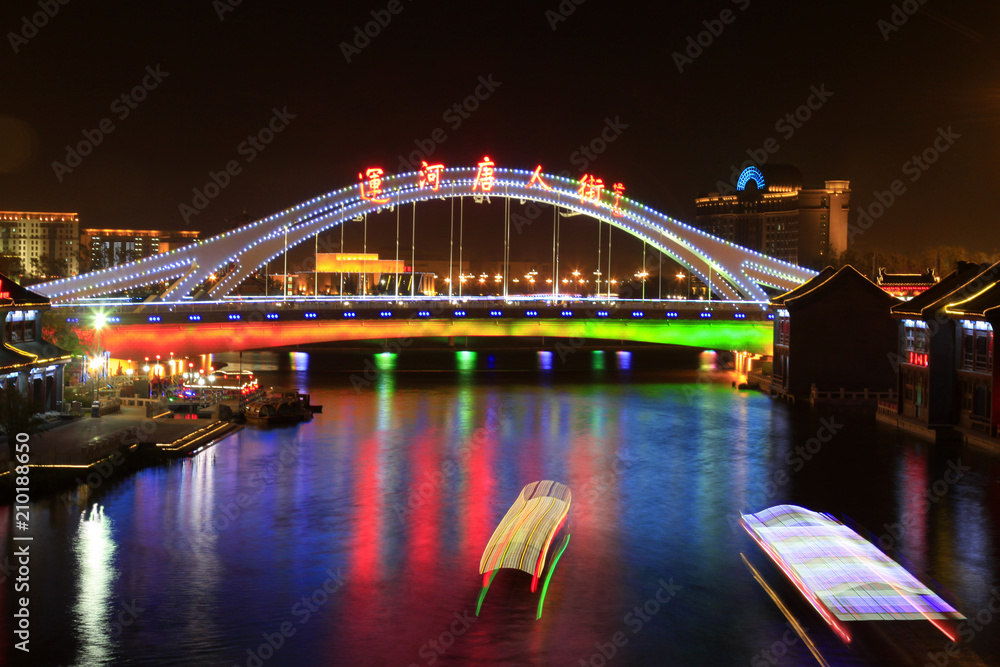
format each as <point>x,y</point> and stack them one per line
<point>732,271</point>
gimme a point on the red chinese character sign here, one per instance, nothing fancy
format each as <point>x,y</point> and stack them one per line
<point>590,189</point>
<point>537,178</point>
<point>430,175</point>
<point>485,178</point>
<point>3,295</point>
<point>374,193</point>
<point>619,188</point>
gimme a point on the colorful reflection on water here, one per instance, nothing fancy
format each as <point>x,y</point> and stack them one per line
<point>355,538</point>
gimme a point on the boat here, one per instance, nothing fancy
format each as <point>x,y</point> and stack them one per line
<point>845,578</point>
<point>522,539</point>
<point>284,407</point>
<point>240,385</point>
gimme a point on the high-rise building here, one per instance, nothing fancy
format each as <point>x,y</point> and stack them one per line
<point>770,211</point>
<point>111,247</point>
<point>34,237</point>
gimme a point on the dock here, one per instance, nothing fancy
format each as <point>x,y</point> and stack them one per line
<point>66,450</point>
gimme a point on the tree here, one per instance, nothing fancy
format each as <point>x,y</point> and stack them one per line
<point>83,258</point>
<point>18,414</point>
<point>11,265</point>
<point>55,329</point>
<point>47,267</point>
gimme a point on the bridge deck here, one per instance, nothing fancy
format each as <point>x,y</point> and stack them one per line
<point>185,332</point>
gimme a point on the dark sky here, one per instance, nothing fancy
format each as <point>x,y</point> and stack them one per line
<point>680,132</point>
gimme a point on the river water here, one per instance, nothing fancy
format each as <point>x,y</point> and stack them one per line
<point>355,539</point>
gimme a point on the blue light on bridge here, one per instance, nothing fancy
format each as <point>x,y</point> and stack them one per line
<point>385,313</point>
<point>194,318</point>
<point>496,313</point>
<point>350,314</point>
<point>739,316</point>
<point>672,314</point>
<point>705,315</point>
<point>424,313</point>
<point>602,313</point>
<point>638,313</point>
<point>531,313</point>
<point>235,317</point>
<point>153,318</point>
<point>770,316</point>
<point>567,313</point>
<point>271,316</point>
<point>459,313</point>
<point>72,320</point>
<point>115,319</point>
<point>310,316</point>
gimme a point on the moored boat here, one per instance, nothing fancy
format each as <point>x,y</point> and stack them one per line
<point>285,407</point>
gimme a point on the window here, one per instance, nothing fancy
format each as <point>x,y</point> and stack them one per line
<point>981,402</point>
<point>982,351</point>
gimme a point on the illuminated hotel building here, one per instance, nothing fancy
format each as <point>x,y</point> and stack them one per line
<point>771,212</point>
<point>111,247</point>
<point>30,235</point>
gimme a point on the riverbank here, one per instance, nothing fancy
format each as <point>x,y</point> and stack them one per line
<point>885,412</point>
<point>91,450</point>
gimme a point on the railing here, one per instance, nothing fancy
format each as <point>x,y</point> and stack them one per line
<point>888,407</point>
<point>980,423</point>
<point>759,378</point>
<point>405,301</point>
<point>847,395</point>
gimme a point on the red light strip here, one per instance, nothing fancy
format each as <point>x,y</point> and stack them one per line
<point>834,624</point>
<point>541,554</point>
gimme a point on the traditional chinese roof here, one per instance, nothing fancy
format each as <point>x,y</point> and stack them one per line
<point>977,296</point>
<point>11,358</point>
<point>12,294</point>
<point>939,294</point>
<point>845,276</point>
<point>43,351</point>
<point>925,279</point>
<point>821,277</point>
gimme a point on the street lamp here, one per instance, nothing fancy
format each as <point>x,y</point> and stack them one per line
<point>99,321</point>
<point>284,291</point>
<point>642,276</point>
<point>95,365</point>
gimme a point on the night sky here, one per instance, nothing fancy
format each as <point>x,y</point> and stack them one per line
<point>557,80</point>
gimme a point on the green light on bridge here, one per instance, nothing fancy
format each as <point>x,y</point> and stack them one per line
<point>465,360</point>
<point>385,361</point>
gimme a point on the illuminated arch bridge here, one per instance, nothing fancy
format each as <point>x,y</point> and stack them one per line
<point>732,272</point>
